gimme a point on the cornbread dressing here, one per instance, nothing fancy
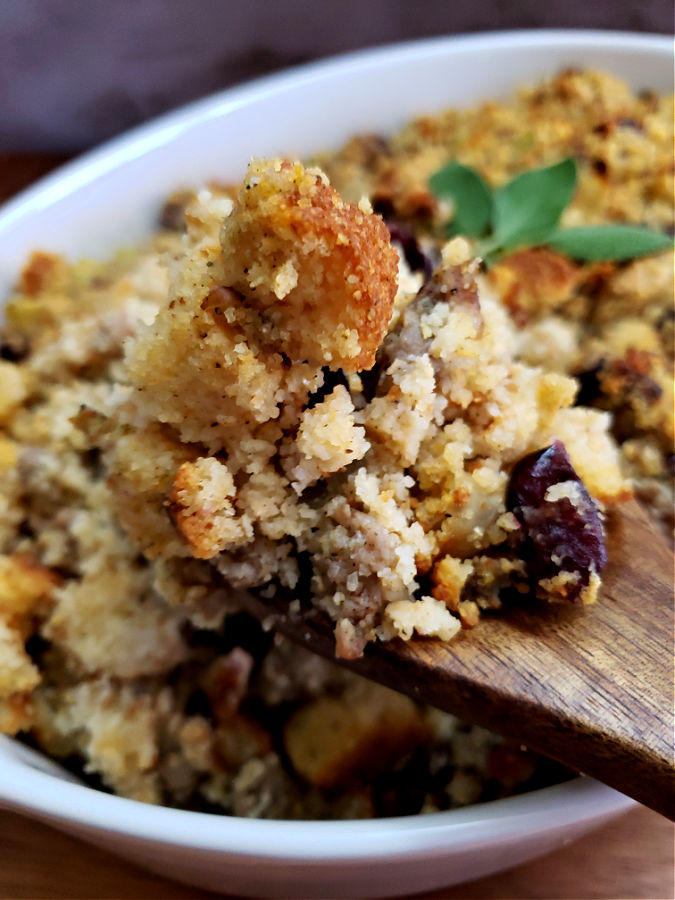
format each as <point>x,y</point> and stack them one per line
<point>299,387</point>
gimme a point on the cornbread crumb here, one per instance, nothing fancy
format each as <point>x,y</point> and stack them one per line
<point>328,439</point>
<point>427,616</point>
<point>202,509</point>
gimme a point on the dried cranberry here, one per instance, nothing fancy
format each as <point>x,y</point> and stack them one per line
<point>416,258</point>
<point>561,531</point>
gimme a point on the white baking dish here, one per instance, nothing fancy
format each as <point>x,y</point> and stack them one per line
<point>109,198</point>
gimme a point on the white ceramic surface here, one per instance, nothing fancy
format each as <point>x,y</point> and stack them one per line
<point>110,197</point>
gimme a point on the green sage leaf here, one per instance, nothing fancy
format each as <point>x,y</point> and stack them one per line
<point>608,242</point>
<point>527,209</point>
<point>471,198</point>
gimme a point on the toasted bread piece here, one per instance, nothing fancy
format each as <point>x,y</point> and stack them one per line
<point>535,282</point>
<point>337,740</point>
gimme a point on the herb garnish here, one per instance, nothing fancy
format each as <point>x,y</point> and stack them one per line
<point>525,213</point>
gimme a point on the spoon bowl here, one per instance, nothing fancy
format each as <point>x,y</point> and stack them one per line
<point>590,687</point>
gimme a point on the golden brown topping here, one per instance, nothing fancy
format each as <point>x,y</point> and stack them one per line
<point>401,189</point>
<point>24,585</point>
<point>534,282</point>
<point>42,272</point>
<point>449,577</point>
<point>16,713</point>
<point>323,272</point>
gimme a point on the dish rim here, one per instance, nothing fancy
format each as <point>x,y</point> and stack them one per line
<point>580,799</point>
<point>161,129</point>
<point>281,839</point>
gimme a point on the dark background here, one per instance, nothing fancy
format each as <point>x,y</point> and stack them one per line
<point>73,72</point>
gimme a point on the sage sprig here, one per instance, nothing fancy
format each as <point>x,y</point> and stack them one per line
<point>596,243</point>
<point>526,211</point>
<point>470,195</point>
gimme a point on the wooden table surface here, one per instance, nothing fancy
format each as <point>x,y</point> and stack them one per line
<point>630,858</point>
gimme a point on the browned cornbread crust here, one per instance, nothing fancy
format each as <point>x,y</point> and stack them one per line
<point>300,254</point>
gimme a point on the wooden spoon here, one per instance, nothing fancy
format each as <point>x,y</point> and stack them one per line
<point>591,687</point>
